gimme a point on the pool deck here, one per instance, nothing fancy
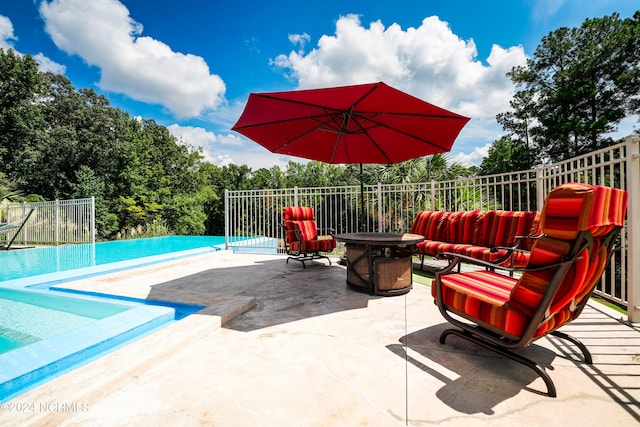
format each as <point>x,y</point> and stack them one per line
<point>280,345</point>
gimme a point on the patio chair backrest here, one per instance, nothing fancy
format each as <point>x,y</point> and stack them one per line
<point>579,222</point>
<point>299,220</point>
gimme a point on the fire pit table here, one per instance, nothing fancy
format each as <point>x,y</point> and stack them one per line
<point>380,263</point>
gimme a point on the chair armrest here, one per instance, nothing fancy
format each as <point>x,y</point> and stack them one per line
<point>286,230</point>
<point>457,258</point>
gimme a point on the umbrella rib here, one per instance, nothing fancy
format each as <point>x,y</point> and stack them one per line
<point>302,135</point>
<point>426,141</point>
<point>373,141</point>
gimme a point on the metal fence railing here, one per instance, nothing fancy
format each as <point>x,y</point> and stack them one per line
<point>252,218</point>
<point>54,222</point>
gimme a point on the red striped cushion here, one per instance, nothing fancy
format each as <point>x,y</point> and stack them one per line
<point>608,211</point>
<point>500,228</point>
<point>433,248</point>
<point>555,321</point>
<point>297,213</point>
<point>528,293</point>
<point>575,207</point>
<point>430,224</point>
<point>463,227</point>
<point>322,245</point>
<point>566,210</point>
<point>482,296</point>
<point>299,218</point>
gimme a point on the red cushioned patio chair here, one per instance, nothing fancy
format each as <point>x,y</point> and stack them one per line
<point>301,238</point>
<point>580,224</point>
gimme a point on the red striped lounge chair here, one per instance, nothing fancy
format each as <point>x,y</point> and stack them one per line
<point>302,242</point>
<point>580,224</point>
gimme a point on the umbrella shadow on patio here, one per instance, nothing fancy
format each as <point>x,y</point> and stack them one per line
<point>272,292</point>
<point>475,380</point>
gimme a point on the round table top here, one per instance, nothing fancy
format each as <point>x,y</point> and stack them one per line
<point>380,238</point>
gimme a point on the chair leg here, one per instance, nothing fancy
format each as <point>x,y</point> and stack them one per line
<point>585,351</point>
<point>307,257</point>
<point>551,388</point>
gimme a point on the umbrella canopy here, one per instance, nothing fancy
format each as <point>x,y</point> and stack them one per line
<point>369,123</point>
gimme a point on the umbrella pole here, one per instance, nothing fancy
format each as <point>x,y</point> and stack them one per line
<point>361,200</point>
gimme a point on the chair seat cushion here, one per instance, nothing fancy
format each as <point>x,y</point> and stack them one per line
<point>482,296</point>
<point>322,245</point>
<point>435,248</point>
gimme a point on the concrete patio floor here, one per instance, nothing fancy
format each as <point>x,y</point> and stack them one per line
<point>280,345</point>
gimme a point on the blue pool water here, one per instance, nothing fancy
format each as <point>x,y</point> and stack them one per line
<point>28,317</point>
<point>22,263</point>
<point>45,332</point>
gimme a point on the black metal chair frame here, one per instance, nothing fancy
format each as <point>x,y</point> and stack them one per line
<point>300,255</point>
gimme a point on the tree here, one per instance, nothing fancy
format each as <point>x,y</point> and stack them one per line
<point>22,86</point>
<point>578,86</point>
<point>505,155</point>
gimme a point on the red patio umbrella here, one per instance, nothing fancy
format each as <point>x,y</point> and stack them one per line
<point>368,123</point>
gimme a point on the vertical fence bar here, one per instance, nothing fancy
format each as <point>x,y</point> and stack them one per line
<point>57,222</point>
<point>633,227</point>
<point>92,226</point>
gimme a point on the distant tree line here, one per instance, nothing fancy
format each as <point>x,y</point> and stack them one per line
<point>579,85</point>
<point>57,142</point>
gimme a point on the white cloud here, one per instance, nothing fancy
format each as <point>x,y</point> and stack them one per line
<point>473,159</point>
<point>6,37</point>
<point>48,65</point>
<point>104,35</point>
<point>6,33</point>
<point>430,62</point>
<point>227,148</point>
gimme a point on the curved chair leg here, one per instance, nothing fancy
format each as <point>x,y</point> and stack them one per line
<point>585,351</point>
<point>551,388</point>
<point>308,257</point>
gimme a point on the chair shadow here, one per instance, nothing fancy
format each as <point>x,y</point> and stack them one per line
<point>475,379</point>
<point>281,292</point>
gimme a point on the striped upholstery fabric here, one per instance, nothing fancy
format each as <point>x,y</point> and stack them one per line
<point>320,245</point>
<point>300,220</point>
<point>506,305</point>
<point>476,233</point>
<point>529,291</point>
<point>463,227</point>
<point>500,228</point>
<point>430,224</point>
<point>483,297</point>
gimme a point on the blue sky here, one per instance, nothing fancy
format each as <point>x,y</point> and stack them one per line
<point>191,64</point>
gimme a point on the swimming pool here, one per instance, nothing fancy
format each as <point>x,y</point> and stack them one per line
<point>46,332</point>
<point>27,263</point>
<point>28,317</point>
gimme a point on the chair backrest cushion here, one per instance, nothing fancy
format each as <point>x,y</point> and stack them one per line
<point>299,218</point>
<point>569,210</point>
<point>500,228</point>
<point>572,208</point>
<point>463,227</point>
<point>430,224</point>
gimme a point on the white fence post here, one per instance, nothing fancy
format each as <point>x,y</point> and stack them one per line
<point>540,190</point>
<point>381,225</point>
<point>93,220</point>
<point>226,219</point>
<point>57,222</point>
<point>633,227</point>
